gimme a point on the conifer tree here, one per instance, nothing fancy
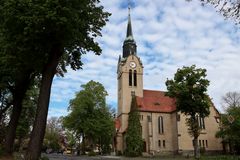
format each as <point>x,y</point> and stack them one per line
<point>134,142</point>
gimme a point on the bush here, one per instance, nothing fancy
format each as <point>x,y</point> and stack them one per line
<point>119,153</point>
<point>1,150</point>
<point>91,153</point>
<point>44,158</point>
<point>202,150</point>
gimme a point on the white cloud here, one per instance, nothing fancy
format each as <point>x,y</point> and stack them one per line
<point>169,34</point>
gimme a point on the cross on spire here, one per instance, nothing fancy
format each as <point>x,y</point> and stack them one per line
<point>129,8</point>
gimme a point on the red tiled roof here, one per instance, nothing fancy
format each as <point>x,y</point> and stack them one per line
<point>117,124</point>
<point>155,101</point>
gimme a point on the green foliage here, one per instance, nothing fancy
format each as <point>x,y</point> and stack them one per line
<point>44,158</point>
<point>89,116</point>
<point>230,131</point>
<point>91,153</point>
<point>52,138</point>
<point>189,88</point>
<point>134,141</point>
<point>29,27</point>
<point>37,34</point>
<point>28,113</point>
<point>1,150</point>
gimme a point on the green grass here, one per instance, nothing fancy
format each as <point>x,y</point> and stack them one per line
<point>220,157</point>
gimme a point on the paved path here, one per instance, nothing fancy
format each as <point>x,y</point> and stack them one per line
<point>71,157</point>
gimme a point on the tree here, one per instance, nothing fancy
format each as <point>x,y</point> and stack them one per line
<point>134,141</point>
<point>46,36</point>
<point>27,116</point>
<point>230,9</point>
<point>52,138</point>
<point>230,122</point>
<point>230,100</point>
<point>89,116</point>
<point>189,88</point>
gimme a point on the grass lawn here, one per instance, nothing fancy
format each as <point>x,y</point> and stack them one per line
<point>216,157</point>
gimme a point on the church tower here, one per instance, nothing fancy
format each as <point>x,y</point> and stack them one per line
<point>130,80</point>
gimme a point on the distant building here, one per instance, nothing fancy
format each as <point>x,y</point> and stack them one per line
<point>163,128</point>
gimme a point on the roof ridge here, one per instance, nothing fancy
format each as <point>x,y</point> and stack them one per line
<point>153,90</point>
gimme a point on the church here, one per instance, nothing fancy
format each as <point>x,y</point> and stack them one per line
<point>163,128</point>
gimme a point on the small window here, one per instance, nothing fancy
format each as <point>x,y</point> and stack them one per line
<point>178,117</point>
<point>200,143</point>
<point>206,144</point>
<point>135,78</point>
<point>130,77</point>
<point>159,143</point>
<point>164,145</point>
<point>149,118</point>
<point>203,143</point>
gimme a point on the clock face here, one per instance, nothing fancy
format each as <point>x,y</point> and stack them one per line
<point>132,64</point>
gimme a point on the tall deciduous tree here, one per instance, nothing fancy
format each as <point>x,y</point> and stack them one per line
<point>45,37</point>
<point>28,114</point>
<point>189,87</point>
<point>134,141</point>
<point>90,118</point>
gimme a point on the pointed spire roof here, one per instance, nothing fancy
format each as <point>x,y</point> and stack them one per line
<point>129,27</point>
<point>129,44</point>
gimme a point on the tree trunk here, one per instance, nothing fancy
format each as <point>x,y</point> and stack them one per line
<point>196,148</point>
<point>83,145</point>
<point>37,135</point>
<point>18,96</point>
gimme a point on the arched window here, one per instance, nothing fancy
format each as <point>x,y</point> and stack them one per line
<point>160,125</point>
<point>130,77</point>
<point>135,77</point>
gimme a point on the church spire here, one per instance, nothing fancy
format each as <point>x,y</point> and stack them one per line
<point>129,26</point>
<point>129,44</point>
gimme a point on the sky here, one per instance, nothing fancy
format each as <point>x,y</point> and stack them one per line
<point>169,34</point>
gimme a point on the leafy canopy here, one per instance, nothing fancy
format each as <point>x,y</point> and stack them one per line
<point>29,30</point>
<point>230,121</point>
<point>89,116</point>
<point>189,88</point>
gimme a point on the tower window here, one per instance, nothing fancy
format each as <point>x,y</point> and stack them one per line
<point>160,125</point>
<point>135,78</point>
<point>130,77</point>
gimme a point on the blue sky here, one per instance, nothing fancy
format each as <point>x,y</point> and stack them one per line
<point>169,34</point>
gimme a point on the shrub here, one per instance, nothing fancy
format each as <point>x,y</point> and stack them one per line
<point>91,153</point>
